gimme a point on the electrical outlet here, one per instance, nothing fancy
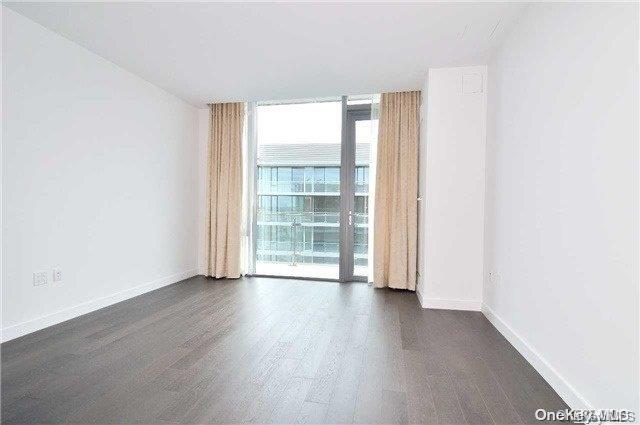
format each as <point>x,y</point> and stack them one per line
<point>39,278</point>
<point>494,278</point>
<point>57,275</point>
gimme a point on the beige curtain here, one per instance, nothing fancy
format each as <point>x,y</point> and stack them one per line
<point>396,213</point>
<point>224,190</point>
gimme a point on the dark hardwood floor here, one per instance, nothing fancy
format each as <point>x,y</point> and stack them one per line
<point>270,351</point>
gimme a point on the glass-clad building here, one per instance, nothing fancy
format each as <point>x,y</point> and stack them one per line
<point>299,204</point>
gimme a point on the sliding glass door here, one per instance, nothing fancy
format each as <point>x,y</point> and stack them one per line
<point>311,189</point>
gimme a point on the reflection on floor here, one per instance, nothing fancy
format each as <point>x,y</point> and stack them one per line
<point>316,271</point>
<point>270,351</point>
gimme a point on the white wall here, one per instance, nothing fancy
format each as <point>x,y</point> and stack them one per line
<point>422,176</point>
<point>203,141</point>
<point>99,179</point>
<point>452,188</point>
<point>562,198</point>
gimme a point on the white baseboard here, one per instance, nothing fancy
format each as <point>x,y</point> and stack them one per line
<point>24,328</point>
<point>564,389</point>
<point>449,304</point>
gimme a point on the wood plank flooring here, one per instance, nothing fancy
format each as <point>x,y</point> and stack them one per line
<point>260,350</point>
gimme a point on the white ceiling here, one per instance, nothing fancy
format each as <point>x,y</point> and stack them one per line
<point>205,52</point>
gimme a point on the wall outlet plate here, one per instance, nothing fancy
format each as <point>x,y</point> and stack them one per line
<point>39,278</point>
<point>494,278</point>
<point>57,275</point>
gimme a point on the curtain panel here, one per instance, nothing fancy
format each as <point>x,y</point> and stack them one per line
<point>396,192</point>
<point>224,190</point>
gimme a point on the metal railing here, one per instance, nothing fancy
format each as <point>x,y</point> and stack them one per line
<point>331,217</point>
<point>298,220</point>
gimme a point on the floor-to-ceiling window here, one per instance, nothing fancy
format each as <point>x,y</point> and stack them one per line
<point>298,190</point>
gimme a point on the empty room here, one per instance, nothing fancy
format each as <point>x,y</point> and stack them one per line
<point>320,212</point>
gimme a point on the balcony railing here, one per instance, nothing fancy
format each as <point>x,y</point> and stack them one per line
<point>270,188</point>
<point>297,217</point>
<point>296,249</point>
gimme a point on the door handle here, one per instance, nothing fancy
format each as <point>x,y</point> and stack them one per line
<point>350,218</point>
